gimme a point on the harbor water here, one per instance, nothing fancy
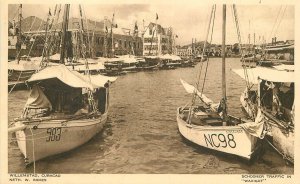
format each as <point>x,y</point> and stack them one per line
<point>141,134</point>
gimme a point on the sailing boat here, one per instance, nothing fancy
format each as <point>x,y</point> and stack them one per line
<point>209,125</point>
<point>273,100</point>
<point>269,95</point>
<point>23,67</point>
<point>64,110</point>
<point>19,69</point>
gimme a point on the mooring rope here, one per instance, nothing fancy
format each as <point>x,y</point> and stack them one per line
<point>33,150</point>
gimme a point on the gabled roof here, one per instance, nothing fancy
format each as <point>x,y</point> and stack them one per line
<point>32,22</point>
<point>160,29</point>
<point>88,24</point>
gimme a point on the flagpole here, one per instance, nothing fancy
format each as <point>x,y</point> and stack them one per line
<point>156,33</point>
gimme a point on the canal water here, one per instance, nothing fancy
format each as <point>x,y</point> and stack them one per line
<point>141,135</point>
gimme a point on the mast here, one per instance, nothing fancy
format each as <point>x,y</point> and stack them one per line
<point>20,19</point>
<point>156,34</point>
<point>81,32</point>
<point>105,37</point>
<point>64,31</point>
<point>192,46</point>
<point>19,44</point>
<point>224,107</point>
<point>195,47</point>
<point>112,36</point>
<point>46,38</point>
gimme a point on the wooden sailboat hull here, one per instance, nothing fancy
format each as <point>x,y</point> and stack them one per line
<point>43,139</point>
<point>15,75</point>
<point>283,142</point>
<point>227,139</point>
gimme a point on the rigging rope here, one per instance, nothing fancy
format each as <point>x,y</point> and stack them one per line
<point>33,155</point>
<point>212,31</point>
<point>16,12</point>
<point>27,56</point>
<point>51,37</point>
<point>271,33</point>
<point>235,13</point>
<point>87,71</point>
<point>55,30</point>
<point>240,47</point>
<point>200,71</point>
<point>283,13</point>
<point>26,37</point>
<point>15,83</point>
<point>87,30</point>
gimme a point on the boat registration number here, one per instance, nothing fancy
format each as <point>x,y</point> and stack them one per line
<point>53,134</point>
<point>219,140</point>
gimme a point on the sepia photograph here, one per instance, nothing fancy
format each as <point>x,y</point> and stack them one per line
<point>150,88</point>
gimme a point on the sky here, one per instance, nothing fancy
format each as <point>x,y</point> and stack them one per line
<point>187,20</point>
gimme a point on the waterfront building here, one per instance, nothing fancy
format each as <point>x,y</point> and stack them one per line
<point>157,40</point>
<point>97,35</point>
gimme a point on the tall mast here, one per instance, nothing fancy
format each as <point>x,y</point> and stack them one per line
<point>157,49</point>
<point>192,46</point>
<point>81,32</point>
<point>19,43</point>
<point>224,114</point>
<point>195,47</point>
<point>105,37</point>
<point>64,31</point>
<point>46,50</point>
<point>20,21</point>
<point>112,36</point>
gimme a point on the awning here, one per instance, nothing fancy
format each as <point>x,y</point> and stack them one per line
<point>279,48</point>
<point>285,67</point>
<point>268,74</point>
<point>25,65</point>
<point>98,80</point>
<point>170,57</point>
<point>95,67</point>
<point>55,57</point>
<point>128,58</point>
<point>71,78</point>
<point>152,57</point>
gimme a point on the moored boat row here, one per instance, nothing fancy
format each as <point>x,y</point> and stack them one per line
<point>69,101</point>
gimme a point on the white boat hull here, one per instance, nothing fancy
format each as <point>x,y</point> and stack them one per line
<point>283,142</point>
<point>43,139</point>
<point>227,139</point>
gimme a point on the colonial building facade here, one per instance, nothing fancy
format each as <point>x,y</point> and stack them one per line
<point>157,40</point>
<point>100,39</point>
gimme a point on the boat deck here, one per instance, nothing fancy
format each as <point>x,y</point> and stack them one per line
<point>203,118</point>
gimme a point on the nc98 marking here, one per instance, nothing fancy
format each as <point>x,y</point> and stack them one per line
<point>219,140</point>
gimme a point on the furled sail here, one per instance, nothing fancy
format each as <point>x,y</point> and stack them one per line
<point>37,99</point>
<point>256,128</point>
<point>191,89</point>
